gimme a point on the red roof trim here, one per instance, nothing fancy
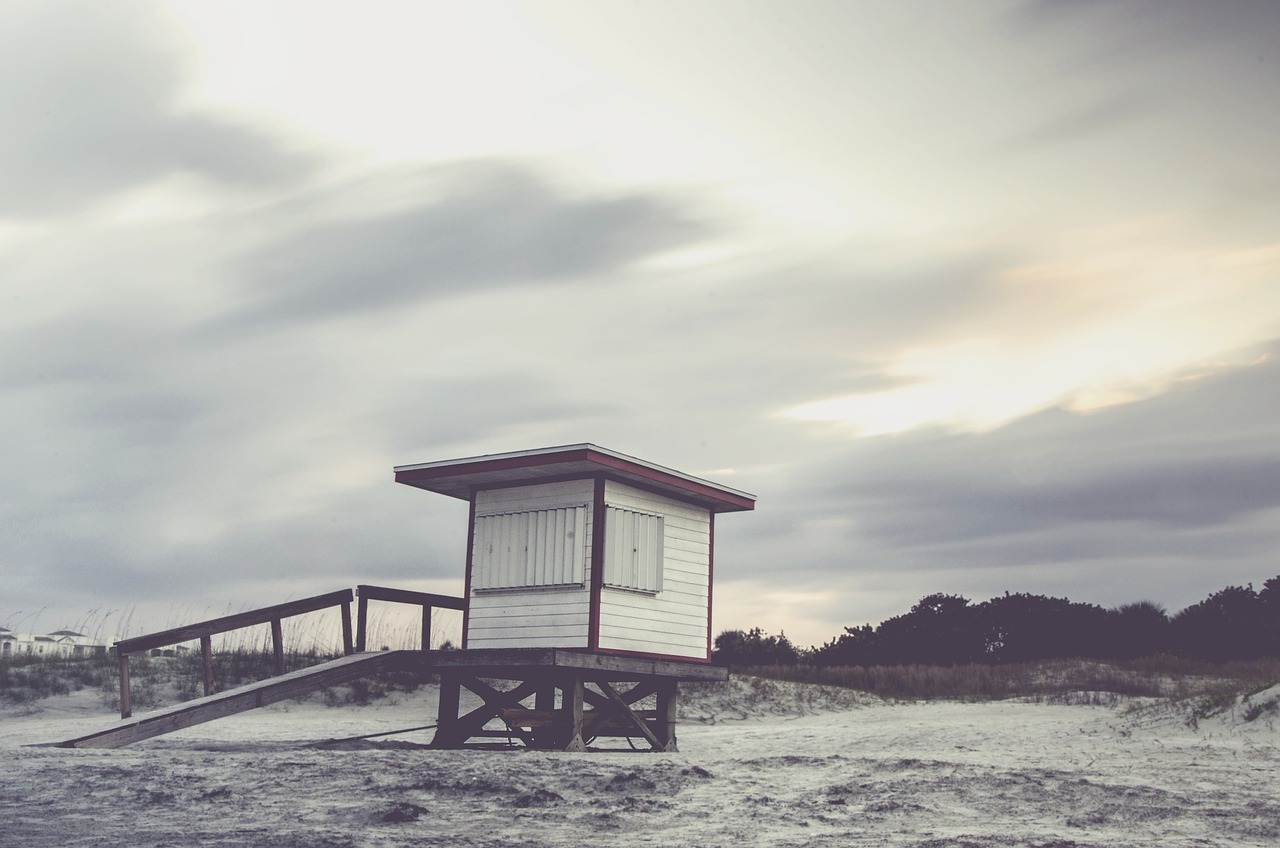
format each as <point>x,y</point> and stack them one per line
<point>691,486</point>
<point>479,466</point>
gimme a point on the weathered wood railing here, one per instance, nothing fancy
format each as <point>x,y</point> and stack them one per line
<point>205,630</point>
<point>426,600</point>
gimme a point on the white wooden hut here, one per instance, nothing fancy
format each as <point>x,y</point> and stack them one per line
<point>586,548</point>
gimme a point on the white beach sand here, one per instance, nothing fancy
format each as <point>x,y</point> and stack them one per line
<point>760,763</point>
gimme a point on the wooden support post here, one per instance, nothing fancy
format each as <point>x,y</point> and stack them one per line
<point>277,644</point>
<point>126,697</point>
<point>668,704</point>
<point>362,623</point>
<point>571,698</point>
<point>544,701</point>
<point>347,649</point>
<point>447,714</point>
<point>426,627</point>
<point>206,662</point>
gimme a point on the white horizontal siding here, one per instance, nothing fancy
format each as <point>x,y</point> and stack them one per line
<point>690,626</point>
<point>527,641</point>
<point>651,644</point>
<point>674,621</point>
<point>537,496</point>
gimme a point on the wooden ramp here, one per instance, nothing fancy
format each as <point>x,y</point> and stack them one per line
<point>254,695</point>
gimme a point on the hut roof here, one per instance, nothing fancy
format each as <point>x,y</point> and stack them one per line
<point>460,478</point>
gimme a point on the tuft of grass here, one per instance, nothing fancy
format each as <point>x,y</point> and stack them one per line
<point>1256,711</point>
<point>25,679</point>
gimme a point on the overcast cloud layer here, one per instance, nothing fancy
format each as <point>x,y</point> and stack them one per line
<point>974,300</point>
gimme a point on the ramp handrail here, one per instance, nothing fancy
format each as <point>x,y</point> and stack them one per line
<point>204,630</point>
<point>426,600</point>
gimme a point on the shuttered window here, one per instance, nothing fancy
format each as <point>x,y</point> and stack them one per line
<point>633,550</point>
<point>545,547</point>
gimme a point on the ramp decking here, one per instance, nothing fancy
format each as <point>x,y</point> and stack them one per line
<point>254,695</point>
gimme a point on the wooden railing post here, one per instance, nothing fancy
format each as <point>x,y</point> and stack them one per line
<point>347,648</point>
<point>362,623</point>
<point>426,627</point>
<point>126,698</point>
<point>277,644</point>
<point>206,661</point>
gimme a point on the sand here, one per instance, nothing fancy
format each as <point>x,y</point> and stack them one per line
<point>759,764</point>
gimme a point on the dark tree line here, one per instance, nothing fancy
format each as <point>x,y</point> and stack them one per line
<point>1234,623</point>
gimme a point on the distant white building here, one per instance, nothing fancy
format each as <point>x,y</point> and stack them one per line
<point>60,643</point>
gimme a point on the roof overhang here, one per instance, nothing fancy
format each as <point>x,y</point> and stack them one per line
<point>461,478</point>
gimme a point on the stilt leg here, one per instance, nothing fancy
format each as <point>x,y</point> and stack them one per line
<point>572,707</point>
<point>544,700</point>
<point>447,735</point>
<point>668,704</point>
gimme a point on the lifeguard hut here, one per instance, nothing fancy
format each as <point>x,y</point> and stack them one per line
<point>584,565</point>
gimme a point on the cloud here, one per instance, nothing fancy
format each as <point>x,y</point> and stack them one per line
<point>438,414</point>
<point>91,105</point>
<point>1058,485</point>
<point>467,228</point>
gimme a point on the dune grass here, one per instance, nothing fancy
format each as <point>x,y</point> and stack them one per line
<point>1055,681</point>
<point>243,656</point>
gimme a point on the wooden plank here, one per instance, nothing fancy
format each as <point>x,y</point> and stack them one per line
<point>514,625</point>
<point>362,623</point>
<point>532,602</point>
<point>126,697</point>
<point>291,685</point>
<point>496,662</point>
<point>447,735</point>
<point>612,642</point>
<point>595,719</point>
<point>643,689</point>
<point>406,596</point>
<point>564,493</point>
<point>625,712</point>
<point>571,696</point>
<point>494,702</point>
<point>545,642</point>
<point>347,647</point>
<point>277,644</point>
<point>264,615</point>
<point>660,629</point>
<point>664,725</point>
<point>206,662</point>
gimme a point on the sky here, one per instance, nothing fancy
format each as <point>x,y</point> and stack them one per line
<point>974,298</point>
